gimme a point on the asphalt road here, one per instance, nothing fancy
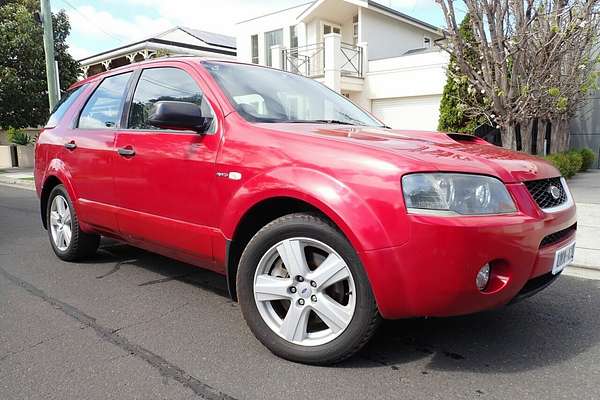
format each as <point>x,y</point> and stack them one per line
<point>133,325</point>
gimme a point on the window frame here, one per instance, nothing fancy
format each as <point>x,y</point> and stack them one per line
<point>268,58</point>
<point>255,59</point>
<point>91,94</point>
<point>131,94</point>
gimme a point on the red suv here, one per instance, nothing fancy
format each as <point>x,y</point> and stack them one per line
<point>322,219</point>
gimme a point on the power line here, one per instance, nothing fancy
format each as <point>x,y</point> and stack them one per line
<point>120,39</point>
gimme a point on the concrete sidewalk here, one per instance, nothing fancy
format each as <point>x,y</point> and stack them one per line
<point>22,177</point>
<point>586,192</point>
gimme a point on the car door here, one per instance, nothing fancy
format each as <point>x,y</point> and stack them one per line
<point>89,152</point>
<point>164,178</point>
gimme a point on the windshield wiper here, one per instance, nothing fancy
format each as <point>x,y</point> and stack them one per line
<point>320,121</point>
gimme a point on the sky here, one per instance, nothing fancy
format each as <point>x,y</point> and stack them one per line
<point>99,25</point>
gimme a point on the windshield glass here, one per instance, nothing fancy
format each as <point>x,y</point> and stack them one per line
<point>267,95</point>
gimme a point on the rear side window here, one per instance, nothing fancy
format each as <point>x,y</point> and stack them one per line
<point>63,105</point>
<point>104,107</point>
<point>162,84</point>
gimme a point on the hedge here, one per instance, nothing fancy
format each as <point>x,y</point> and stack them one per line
<point>571,162</point>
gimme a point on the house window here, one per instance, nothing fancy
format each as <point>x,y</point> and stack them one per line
<point>427,42</point>
<point>329,28</point>
<point>355,29</point>
<point>294,40</point>
<point>254,41</point>
<point>272,38</point>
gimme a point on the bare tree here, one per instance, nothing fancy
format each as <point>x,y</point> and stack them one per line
<point>536,60</point>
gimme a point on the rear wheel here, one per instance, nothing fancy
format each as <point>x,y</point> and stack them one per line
<point>68,241</point>
<point>303,291</point>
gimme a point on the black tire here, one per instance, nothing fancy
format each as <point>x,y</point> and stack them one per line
<point>366,316</point>
<point>82,244</point>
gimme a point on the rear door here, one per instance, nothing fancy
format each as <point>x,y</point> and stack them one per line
<point>89,152</point>
<point>164,178</point>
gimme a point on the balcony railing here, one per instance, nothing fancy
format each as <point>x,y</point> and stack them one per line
<point>306,60</point>
<point>352,60</point>
<point>310,60</point>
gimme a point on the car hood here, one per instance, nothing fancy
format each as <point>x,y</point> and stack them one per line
<point>436,151</point>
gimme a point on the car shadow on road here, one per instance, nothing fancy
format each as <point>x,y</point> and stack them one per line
<point>555,325</point>
<point>114,255</point>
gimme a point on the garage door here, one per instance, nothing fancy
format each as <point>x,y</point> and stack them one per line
<point>419,113</point>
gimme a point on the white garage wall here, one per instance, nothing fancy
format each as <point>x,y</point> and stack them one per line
<point>405,92</point>
<point>414,113</point>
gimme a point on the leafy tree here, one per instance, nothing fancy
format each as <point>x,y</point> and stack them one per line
<point>23,87</point>
<point>456,111</point>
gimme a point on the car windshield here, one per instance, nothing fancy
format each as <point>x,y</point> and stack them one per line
<point>262,94</point>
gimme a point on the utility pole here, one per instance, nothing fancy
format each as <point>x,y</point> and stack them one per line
<point>51,69</point>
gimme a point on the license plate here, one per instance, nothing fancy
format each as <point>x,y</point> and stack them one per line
<point>563,257</point>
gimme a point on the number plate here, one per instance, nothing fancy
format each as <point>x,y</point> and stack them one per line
<point>563,257</point>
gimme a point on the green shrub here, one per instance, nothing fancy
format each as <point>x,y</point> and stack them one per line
<point>576,160</point>
<point>561,162</point>
<point>18,136</point>
<point>588,157</point>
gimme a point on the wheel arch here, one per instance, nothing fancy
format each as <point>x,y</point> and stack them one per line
<point>257,216</point>
<point>54,176</point>
<point>285,192</point>
<point>49,183</point>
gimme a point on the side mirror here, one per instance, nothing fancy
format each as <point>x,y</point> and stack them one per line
<point>178,115</point>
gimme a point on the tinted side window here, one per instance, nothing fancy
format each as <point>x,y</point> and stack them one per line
<point>104,107</point>
<point>158,84</point>
<point>63,105</point>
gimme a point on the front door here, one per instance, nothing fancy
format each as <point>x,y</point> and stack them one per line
<point>164,178</point>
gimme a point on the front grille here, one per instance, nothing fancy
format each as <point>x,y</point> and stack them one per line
<point>558,236</point>
<point>540,190</point>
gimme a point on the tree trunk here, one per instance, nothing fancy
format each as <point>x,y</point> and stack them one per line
<point>559,139</point>
<point>541,137</point>
<point>527,135</point>
<point>509,136</point>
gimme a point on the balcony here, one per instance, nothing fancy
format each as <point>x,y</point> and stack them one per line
<point>310,60</point>
<point>337,64</point>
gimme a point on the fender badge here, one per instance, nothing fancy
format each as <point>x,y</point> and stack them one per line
<point>234,176</point>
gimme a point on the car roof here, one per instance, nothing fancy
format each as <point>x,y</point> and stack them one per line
<point>140,64</point>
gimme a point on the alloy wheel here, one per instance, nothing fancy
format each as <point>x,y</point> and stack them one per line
<point>60,223</point>
<point>304,291</point>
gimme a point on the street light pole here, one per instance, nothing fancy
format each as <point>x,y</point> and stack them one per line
<point>51,69</point>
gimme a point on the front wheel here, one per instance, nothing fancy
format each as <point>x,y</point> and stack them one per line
<point>303,291</point>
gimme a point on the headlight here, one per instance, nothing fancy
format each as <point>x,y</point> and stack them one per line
<point>449,193</point>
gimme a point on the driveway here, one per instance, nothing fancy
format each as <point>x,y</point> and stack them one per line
<point>133,325</point>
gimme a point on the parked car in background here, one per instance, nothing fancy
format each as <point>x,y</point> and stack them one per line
<point>322,220</point>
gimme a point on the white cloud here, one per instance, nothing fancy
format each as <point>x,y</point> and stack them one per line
<point>216,16</point>
<point>79,52</point>
<point>93,23</point>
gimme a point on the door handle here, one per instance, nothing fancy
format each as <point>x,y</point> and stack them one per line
<point>70,145</point>
<point>126,151</point>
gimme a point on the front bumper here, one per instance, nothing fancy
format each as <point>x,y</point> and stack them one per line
<point>433,273</point>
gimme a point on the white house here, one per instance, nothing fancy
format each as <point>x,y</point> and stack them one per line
<point>378,57</point>
<point>178,40</point>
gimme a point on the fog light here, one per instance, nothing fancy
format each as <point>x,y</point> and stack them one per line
<point>483,276</point>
